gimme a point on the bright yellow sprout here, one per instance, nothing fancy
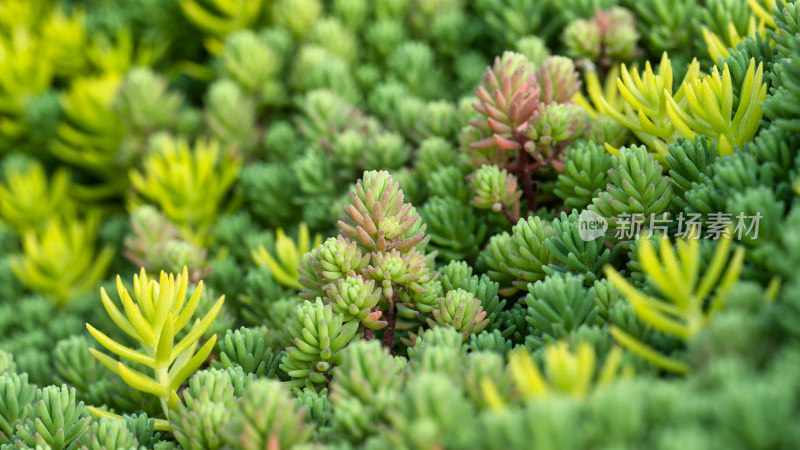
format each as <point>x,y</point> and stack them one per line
<point>565,372</point>
<point>598,92</point>
<point>28,199</point>
<point>763,9</point>
<point>644,110</point>
<point>284,265</point>
<point>189,185</point>
<point>688,303</point>
<point>718,48</point>
<point>61,260</point>
<point>708,107</point>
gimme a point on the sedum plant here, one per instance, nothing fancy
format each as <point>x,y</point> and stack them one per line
<point>247,348</point>
<point>460,310</point>
<point>285,268</point>
<point>159,313</point>
<point>645,108</point>
<point>266,415</point>
<point>55,420</point>
<point>709,106</point>
<point>188,184</point>
<point>689,299</point>
<point>61,260</point>
<point>28,198</point>
<point>15,396</point>
<point>317,335</point>
<point>566,372</point>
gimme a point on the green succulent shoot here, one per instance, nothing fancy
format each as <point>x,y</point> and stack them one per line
<point>318,334</point>
<point>378,219</point>
<point>55,420</point>
<point>462,311</point>
<point>495,189</point>
<point>159,313</point>
<point>356,298</point>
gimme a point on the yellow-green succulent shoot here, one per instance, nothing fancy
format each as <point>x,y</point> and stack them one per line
<point>645,108</point>
<point>689,300</point>
<point>284,265</point>
<point>24,74</point>
<point>189,185</point>
<point>28,199</point>
<point>61,260</point>
<point>599,92</point>
<point>565,373</point>
<point>154,319</point>
<point>89,135</point>
<point>719,47</point>
<point>220,17</point>
<point>763,10</point>
<point>117,56</point>
<point>709,111</point>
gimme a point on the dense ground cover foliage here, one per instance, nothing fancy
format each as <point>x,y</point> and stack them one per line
<point>427,224</point>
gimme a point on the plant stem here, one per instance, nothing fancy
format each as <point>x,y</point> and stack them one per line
<point>391,319</point>
<point>369,334</point>
<point>509,215</point>
<point>526,178</point>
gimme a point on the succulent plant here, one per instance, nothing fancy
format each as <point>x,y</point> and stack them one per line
<point>318,335</point>
<point>377,218</point>
<point>462,311</point>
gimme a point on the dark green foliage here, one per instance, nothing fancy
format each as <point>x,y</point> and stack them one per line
<point>669,26</point>
<point>527,252</point>
<point>75,366</point>
<point>717,14</point>
<point>486,291</point>
<point>363,387</point>
<point>636,185</point>
<point>268,191</point>
<point>573,254</point>
<point>585,174</point>
<point>309,95</point>
<point>490,342</point>
<point>54,419</point>
<point>756,48</point>
<point>143,429</point>
<point>558,306</point>
<point>691,162</point>
<point>781,103</point>
<point>450,183</point>
<point>454,274</point>
<point>15,394</point>
<point>431,412</point>
<point>246,348</point>
<point>736,172</point>
<point>109,433</point>
<point>455,231</point>
<point>318,407</point>
<point>205,410</point>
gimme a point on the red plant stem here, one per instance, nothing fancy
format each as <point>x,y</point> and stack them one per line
<point>369,334</point>
<point>509,215</point>
<point>391,320</point>
<point>525,168</point>
<point>526,178</point>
